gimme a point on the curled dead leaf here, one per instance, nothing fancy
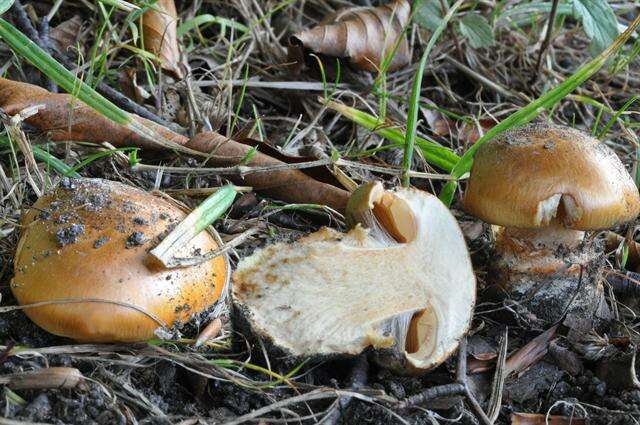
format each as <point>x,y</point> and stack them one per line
<point>364,35</point>
<point>65,118</point>
<point>160,35</point>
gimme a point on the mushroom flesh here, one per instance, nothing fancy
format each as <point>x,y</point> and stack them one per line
<point>333,294</point>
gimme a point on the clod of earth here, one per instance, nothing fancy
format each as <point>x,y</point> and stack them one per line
<point>547,185</point>
<point>366,36</point>
<point>101,285</point>
<point>337,294</point>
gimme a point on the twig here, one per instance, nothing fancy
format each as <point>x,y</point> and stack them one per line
<point>211,331</point>
<point>160,322</point>
<point>492,85</point>
<point>547,38</point>
<point>357,379</point>
<point>447,390</point>
<point>192,261</point>
<point>243,170</point>
<point>626,284</point>
<point>319,394</point>
<point>460,387</point>
<point>461,377</point>
<point>498,380</point>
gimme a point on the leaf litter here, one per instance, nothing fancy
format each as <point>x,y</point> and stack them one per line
<point>223,380</point>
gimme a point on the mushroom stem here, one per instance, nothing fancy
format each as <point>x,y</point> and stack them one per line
<point>546,250</point>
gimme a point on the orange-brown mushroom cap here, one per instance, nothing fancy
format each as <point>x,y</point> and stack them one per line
<point>537,174</point>
<point>89,240</point>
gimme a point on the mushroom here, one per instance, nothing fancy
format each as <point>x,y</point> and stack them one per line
<point>337,294</point>
<point>545,186</point>
<point>82,270</point>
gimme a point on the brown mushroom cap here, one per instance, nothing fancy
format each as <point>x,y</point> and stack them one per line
<point>81,242</point>
<point>539,173</point>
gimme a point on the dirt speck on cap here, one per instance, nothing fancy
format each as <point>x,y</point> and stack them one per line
<point>140,221</point>
<point>129,207</point>
<point>135,239</point>
<point>69,235</point>
<point>100,241</point>
<point>67,183</point>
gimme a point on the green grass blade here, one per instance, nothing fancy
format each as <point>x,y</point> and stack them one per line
<point>121,4</point>
<point>202,216</point>
<point>433,153</point>
<point>616,116</point>
<point>206,19</point>
<point>535,108</point>
<point>59,74</point>
<point>414,102</point>
<point>88,160</point>
<point>44,156</point>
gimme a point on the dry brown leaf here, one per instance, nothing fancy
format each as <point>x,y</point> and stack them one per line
<point>51,377</point>
<point>293,185</point>
<point>160,35</point>
<point>540,419</point>
<point>464,132</point>
<point>364,35</point>
<point>533,351</point>
<point>66,118</point>
<point>65,35</point>
<point>522,359</point>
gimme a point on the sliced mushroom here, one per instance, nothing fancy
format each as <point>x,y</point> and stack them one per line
<point>546,185</point>
<point>83,259</point>
<point>333,293</point>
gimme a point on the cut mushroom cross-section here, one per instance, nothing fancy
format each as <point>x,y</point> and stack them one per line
<point>332,293</point>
